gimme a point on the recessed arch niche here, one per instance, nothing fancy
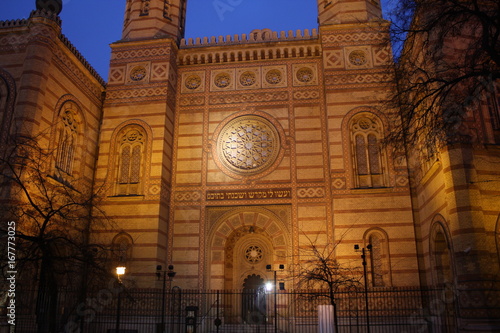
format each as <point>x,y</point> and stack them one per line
<point>241,241</point>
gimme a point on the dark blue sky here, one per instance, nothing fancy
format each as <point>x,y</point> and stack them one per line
<point>91,25</point>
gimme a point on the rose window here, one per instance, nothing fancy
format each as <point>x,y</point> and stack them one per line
<point>357,58</point>
<point>273,76</point>
<point>248,144</point>
<point>137,73</point>
<point>364,123</point>
<point>253,254</point>
<point>222,80</point>
<point>193,82</point>
<point>247,79</point>
<point>305,75</point>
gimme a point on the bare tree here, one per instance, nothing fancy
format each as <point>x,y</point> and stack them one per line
<point>54,218</point>
<point>321,270</point>
<point>448,61</point>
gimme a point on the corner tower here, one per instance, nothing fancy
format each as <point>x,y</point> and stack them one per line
<point>135,161</point>
<point>343,11</point>
<point>146,19</point>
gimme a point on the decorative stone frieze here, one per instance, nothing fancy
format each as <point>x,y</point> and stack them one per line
<point>249,97</point>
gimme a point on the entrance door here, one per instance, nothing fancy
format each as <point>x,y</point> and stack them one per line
<point>253,300</point>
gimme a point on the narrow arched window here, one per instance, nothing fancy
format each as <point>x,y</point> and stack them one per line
<point>130,155</point>
<point>366,131</point>
<point>442,259</point>
<point>122,248</point>
<point>379,268</point>
<point>376,257</point>
<point>67,138</point>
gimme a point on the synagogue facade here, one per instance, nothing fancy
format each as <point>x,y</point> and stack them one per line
<point>223,155</point>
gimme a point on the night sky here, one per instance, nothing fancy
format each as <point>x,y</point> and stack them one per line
<point>91,25</point>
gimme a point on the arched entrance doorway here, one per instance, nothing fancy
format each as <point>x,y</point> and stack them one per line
<point>243,241</point>
<point>253,300</point>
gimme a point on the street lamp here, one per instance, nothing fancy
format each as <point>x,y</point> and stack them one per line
<point>170,273</point>
<point>120,270</point>
<point>363,256</point>
<point>269,287</point>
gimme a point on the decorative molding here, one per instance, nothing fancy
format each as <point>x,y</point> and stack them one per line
<point>160,71</point>
<point>116,75</point>
<point>339,183</point>
<point>256,36</point>
<point>80,78</point>
<point>147,52</point>
<point>137,94</point>
<point>311,192</point>
<point>252,97</point>
<point>192,101</point>
<point>306,94</point>
<point>352,38</point>
<point>191,196</point>
<point>333,59</point>
<point>218,56</point>
<point>345,79</point>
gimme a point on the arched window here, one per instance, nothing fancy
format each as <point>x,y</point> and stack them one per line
<point>497,238</point>
<point>7,98</point>
<point>67,138</point>
<point>441,256</point>
<point>130,160</point>
<point>122,248</point>
<point>369,161</point>
<point>376,261</point>
<point>379,271</point>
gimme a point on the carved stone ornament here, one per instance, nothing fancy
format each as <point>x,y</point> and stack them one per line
<point>193,82</point>
<point>222,80</point>
<point>305,74</point>
<point>253,254</point>
<point>274,76</point>
<point>357,58</point>
<point>138,73</point>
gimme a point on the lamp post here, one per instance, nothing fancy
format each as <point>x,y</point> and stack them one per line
<point>363,256</point>
<point>170,273</point>
<point>120,270</point>
<point>275,286</point>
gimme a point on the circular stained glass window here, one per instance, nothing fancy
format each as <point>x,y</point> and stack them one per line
<point>248,144</point>
<point>253,254</point>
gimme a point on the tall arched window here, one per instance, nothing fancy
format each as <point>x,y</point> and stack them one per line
<point>369,161</point>
<point>67,138</point>
<point>497,238</point>
<point>130,160</point>
<point>441,256</point>
<point>379,269</point>
<point>122,248</point>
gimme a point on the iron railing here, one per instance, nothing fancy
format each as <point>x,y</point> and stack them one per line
<point>389,310</point>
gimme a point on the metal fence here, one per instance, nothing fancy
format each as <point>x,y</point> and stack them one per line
<point>205,311</point>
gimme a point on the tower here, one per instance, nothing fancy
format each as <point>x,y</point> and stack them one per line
<point>137,129</point>
<point>341,11</point>
<point>154,19</point>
